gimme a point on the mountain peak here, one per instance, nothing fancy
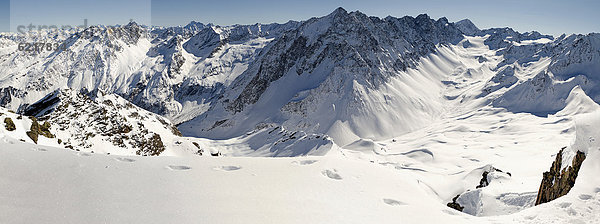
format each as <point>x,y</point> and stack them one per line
<point>194,24</point>
<point>467,27</point>
<point>132,24</point>
<point>465,22</point>
<point>339,11</point>
<point>423,16</point>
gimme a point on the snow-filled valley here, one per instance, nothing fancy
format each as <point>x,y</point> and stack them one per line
<point>337,119</point>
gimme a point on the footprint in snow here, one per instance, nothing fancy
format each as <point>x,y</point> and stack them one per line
<point>393,202</point>
<point>174,167</point>
<point>571,212</point>
<point>39,149</point>
<point>83,154</point>
<point>227,168</point>
<point>564,204</point>
<point>585,197</point>
<point>305,162</point>
<point>128,160</point>
<point>332,174</point>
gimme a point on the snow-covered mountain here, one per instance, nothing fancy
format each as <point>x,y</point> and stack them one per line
<point>353,77</point>
<point>321,76</point>
<point>173,71</point>
<point>371,70</point>
<point>412,118</point>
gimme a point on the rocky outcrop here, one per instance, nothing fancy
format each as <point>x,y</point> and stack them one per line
<point>557,182</point>
<point>37,130</point>
<point>94,121</point>
<point>485,180</point>
<point>470,201</point>
<point>150,146</point>
<point>7,94</point>
<point>455,204</point>
<point>9,124</point>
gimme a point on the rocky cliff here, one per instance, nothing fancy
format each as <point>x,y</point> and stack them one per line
<point>558,181</point>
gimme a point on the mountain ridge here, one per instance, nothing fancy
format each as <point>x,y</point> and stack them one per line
<point>187,72</point>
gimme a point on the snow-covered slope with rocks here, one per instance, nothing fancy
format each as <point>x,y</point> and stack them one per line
<point>95,122</point>
<point>357,77</point>
<point>99,123</point>
<point>408,178</point>
<point>174,71</point>
<point>337,73</point>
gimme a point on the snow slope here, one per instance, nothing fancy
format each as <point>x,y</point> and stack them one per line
<point>407,181</point>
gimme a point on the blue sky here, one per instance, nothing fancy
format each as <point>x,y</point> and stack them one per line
<point>546,16</point>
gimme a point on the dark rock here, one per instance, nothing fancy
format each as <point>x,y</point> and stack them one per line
<point>484,181</point>
<point>36,129</point>
<point>196,144</point>
<point>33,136</point>
<point>7,94</point>
<point>151,147</point>
<point>9,124</point>
<point>42,106</point>
<point>455,204</point>
<point>200,150</point>
<point>556,182</point>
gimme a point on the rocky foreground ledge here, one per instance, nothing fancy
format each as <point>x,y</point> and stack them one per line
<point>557,182</point>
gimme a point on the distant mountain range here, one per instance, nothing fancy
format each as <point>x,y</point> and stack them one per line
<point>346,75</point>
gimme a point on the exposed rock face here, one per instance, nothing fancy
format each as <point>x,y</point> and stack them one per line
<point>9,124</point>
<point>470,201</point>
<point>37,130</point>
<point>557,182</point>
<point>331,61</point>
<point>384,46</point>
<point>91,121</point>
<point>455,204</point>
<point>150,147</point>
<point>7,94</point>
<point>467,27</point>
<point>485,180</point>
